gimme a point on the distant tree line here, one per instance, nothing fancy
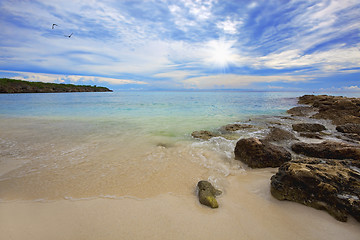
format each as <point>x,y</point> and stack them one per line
<point>19,86</point>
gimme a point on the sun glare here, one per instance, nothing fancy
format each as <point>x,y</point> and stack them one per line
<point>221,54</point>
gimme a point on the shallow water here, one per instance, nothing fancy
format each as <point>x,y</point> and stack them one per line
<point>85,145</point>
<point>67,152</point>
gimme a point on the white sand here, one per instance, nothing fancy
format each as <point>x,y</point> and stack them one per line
<point>247,211</point>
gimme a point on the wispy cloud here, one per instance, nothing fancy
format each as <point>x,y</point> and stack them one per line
<point>60,78</point>
<point>229,81</point>
<point>167,42</point>
<point>340,89</point>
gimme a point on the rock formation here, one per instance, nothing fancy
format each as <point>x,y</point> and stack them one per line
<point>205,135</point>
<point>235,127</point>
<point>340,110</point>
<point>331,185</point>
<point>308,127</point>
<point>279,134</point>
<point>258,153</point>
<point>327,149</point>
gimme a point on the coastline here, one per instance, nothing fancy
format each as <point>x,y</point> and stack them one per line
<point>10,86</point>
<point>247,211</point>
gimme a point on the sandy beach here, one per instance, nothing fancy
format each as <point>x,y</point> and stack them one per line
<point>247,211</point>
<point>125,177</point>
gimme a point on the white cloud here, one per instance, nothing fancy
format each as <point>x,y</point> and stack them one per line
<point>352,88</point>
<point>237,81</point>
<point>229,26</point>
<point>316,24</point>
<point>177,75</point>
<point>252,5</point>
<point>201,9</point>
<point>60,78</point>
<point>328,61</point>
<point>274,87</point>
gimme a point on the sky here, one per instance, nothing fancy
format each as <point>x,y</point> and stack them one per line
<point>270,45</point>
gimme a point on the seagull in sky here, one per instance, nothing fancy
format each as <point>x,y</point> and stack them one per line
<point>54,24</point>
<point>69,36</point>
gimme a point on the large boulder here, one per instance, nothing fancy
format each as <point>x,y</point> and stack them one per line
<point>258,153</point>
<point>207,193</point>
<point>308,127</point>
<point>331,185</point>
<point>279,134</point>
<point>327,149</point>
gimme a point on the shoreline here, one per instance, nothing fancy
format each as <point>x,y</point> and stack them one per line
<point>247,210</point>
<point>11,86</point>
<point>325,174</point>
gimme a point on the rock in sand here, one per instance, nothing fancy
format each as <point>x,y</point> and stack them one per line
<point>207,194</point>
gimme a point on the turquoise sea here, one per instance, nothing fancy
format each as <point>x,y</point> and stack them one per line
<point>171,113</point>
<point>114,144</point>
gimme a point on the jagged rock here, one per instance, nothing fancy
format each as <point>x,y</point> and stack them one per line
<point>279,134</point>
<point>235,127</point>
<point>205,135</point>
<point>331,185</point>
<point>260,153</point>
<point>207,193</point>
<point>308,127</point>
<point>352,136</point>
<point>327,149</point>
<point>300,111</point>
<point>310,135</point>
<point>349,128</point>
<point>340,110</point>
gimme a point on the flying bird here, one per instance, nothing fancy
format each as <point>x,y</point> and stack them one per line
<point>69,36</point>
<point>54,24</point>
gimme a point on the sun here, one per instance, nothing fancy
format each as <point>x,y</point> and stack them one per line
<point>221,53</point>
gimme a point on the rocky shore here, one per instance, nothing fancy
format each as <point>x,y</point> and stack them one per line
<point>319,166</point>
<point>18,86</point>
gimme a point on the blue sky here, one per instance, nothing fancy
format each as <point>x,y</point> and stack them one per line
<point>269,45</point>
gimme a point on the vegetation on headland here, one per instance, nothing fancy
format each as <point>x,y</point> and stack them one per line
<point>19,86</point>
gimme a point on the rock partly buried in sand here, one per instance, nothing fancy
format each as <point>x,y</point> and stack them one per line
<point>327,149</point>
<point>207,193</point>
<point>340,110</point>
<point>301,111</point>
<point>279,134</point>
<point>260,153</point>
<point>331,185</point>
<point>349,128</point>
<point>308,127</point>
<point>205,135</point>
<point>235,127</point>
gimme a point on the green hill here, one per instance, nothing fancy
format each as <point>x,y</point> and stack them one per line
<point>18,86</point>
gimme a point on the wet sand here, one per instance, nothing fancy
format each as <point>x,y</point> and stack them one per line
<point>247,211</point>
